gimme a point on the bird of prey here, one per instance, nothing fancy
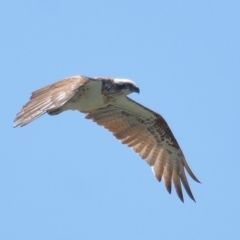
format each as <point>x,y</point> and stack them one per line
<point>104,100</point>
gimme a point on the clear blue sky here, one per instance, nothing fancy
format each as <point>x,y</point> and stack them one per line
<point>64,177</point>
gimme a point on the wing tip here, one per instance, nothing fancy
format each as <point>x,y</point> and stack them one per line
<point>182,198</point>
<point>15,125</point>
<point>16,122</point>
<point>21,121</point>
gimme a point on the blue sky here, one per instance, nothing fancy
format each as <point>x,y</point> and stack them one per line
<point>65,177</point>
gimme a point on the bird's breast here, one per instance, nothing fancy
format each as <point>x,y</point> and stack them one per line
<point>88,97</point>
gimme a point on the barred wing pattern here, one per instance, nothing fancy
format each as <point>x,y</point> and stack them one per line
<point>49,98</point>
<point>148,134</point>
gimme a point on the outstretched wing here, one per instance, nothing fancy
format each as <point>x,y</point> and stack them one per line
<point>49,98</point>
<point>148,134</point>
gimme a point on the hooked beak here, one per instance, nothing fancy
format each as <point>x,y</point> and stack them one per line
<point>136,89</point>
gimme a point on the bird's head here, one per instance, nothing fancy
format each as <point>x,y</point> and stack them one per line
<point>125,86</point>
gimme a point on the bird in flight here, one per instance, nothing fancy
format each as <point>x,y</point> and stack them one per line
<point>104,101</point>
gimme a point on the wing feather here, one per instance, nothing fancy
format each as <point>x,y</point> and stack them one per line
<point>177,185</point>
<point>144,153</point>
<point>129,135</point>
<point>49,98</point>
<point>151,159</point>
<point>148,134</point>
<point>160,163</point>
<point>125,135</point>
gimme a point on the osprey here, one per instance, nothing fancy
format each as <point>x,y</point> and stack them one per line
<point>105,101</point>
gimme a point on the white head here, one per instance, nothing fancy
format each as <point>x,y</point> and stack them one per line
<point>123,80</point>
<point>126,85</point>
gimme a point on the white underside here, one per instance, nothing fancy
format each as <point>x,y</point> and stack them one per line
<point>87,100</point>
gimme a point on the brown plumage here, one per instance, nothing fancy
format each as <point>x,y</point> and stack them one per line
<point>104,101</point>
